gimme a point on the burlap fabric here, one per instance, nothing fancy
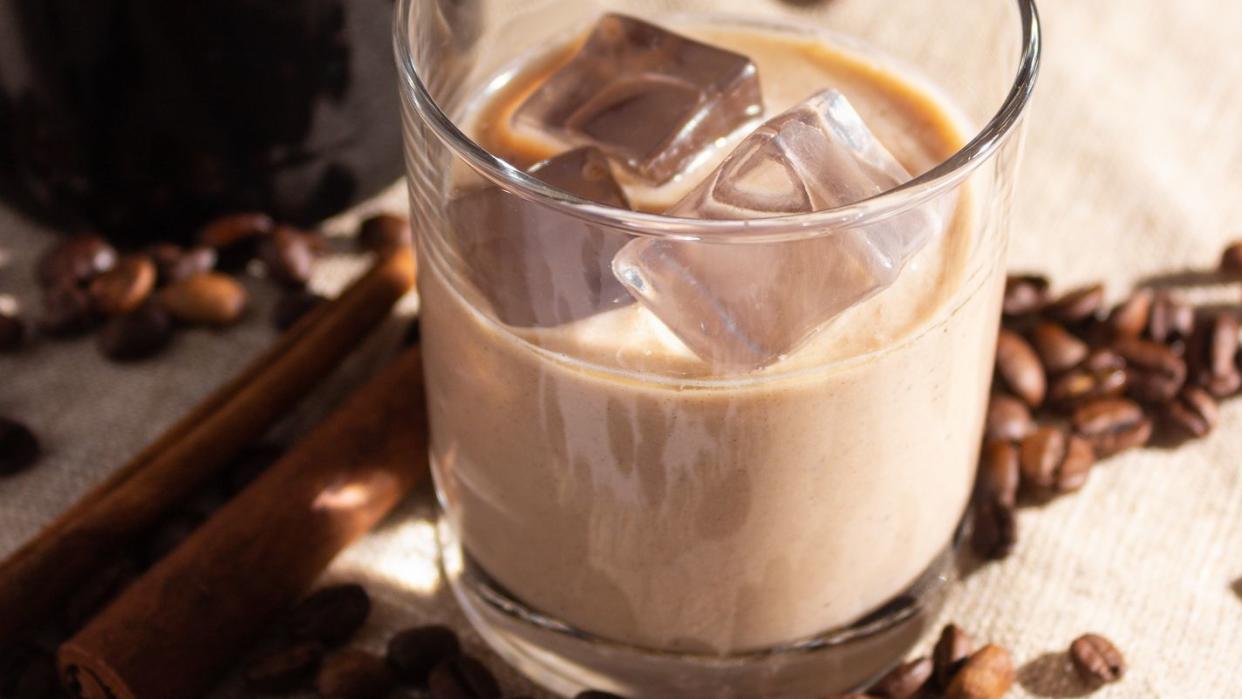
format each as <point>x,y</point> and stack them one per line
<point>1131,174</point>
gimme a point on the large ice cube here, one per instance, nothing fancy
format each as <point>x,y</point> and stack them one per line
<point>648,97</point>
<point>745,305</point>
<point>536,266</point>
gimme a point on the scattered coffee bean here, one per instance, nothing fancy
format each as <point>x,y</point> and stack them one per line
<point>1129,318</point>
<point>292,305</point>
<point>1025,294</point>
<point>1019,368</point>
<point>462,677</point>
<point>124,287</point>
<point>136,335</point>
<point>414,652</point>
<point>1171,318</point>
<point>999,472</point>
<point>1058,349</point>
<point>354,674</point>
<point>1078,305</point>
<point>988,674</point>
<point>1008,418</point>
<point>173,263</point>
<point>227,231</point>
<point>1211,355</point>
<point>1096,659</point>
<point>1112,425</point>
<point>1085,383</point>
<point>384,232</point>
<point>950,651</point>
<point>28,672</point>
<point>1231,260</point>
<point>1103,359</point>
<point>330,615</point>
<point>66,312</point>
<point>75,260</point>
<point>19,447</point>
<point>904,681</point>
<point>12,333</point>
<point>1053,461</point>
<point>287,256</point>
<point>205,299</point>
<point>1154,373</point>
<point>284,669</point>
<point>1193,413</point>
<point>96,592</point>
<point>995,531</point>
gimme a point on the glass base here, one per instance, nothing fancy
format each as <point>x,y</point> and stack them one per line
<point>566,661</point>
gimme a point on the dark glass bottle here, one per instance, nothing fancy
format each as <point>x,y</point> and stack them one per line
<point>145,117</point>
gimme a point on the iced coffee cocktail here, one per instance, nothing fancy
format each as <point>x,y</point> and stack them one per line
<point>708,309</point>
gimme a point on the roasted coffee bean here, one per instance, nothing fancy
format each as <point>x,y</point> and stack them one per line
<point>1019,368</point>
<point>1103,359</point>
<point>136,335</point>
<point>1193,413</point>
<point>1112,425</point>
<point>285,669</point>
<point>1129,318</point>
<point>210,298</point>
<point>19,447</point>
<point>354,674</point>
<point>1084,384</point>
<point>28,672</point>
<point>1154,373</point>
<point>414,652</point>
<point>1078,305</point>
<point>1025,294</point>
<point>988,674</point>
<point>288,257</point>
<point>384,232</point>
<point>1059,350</point>
<point>227,231</point>
<point>124,287</point>
<point>12,333</point>
<point>1171,318</point>
<point>1008,418</point>
<point>995,531</point>
<point>330,615</point>
<point>1231,260</point>
<point>1211,355</point>
<point>904,681</point>
<point>950,651</point>
<point>1053,461</point>
<point>1096,659</point>
<point>97,591</point>
<point>292,305</point>
<point>173,263</point>
<point>462,677</point>
<point>66,312</point>
<point>999,472</point>
<point>75,260</point>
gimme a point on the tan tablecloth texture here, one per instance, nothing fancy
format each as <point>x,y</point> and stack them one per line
<point>1133,171</point>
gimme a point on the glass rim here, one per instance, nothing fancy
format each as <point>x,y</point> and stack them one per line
<point>943,177</point>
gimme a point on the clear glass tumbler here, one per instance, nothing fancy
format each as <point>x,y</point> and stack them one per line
<point>628,511</point>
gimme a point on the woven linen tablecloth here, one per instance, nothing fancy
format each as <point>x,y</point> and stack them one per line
<point>1133,173</point>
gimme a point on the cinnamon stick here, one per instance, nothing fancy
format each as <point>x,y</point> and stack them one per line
<point>36,579</point>
<point>172,633</point>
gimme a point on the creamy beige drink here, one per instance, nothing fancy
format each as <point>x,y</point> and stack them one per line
<point>604,475</point>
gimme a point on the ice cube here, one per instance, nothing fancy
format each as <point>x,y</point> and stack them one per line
<point>745,305</point>
<point>534,265</point>
<point>648,97</point>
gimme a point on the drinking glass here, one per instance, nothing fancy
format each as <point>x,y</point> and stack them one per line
<point>623,514</point>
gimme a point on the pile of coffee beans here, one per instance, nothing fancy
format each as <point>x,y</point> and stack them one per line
<point>1077,382</point>
<point>135,301</point>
